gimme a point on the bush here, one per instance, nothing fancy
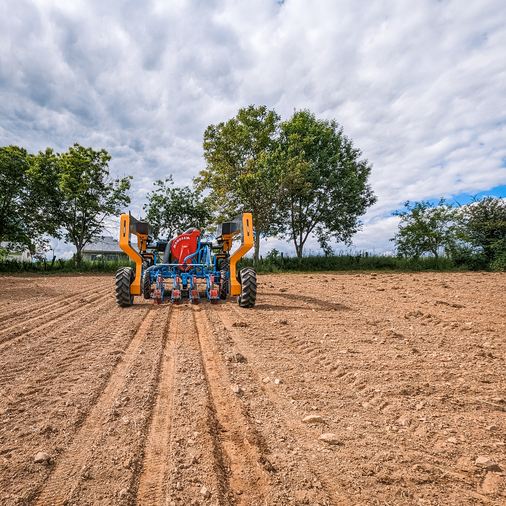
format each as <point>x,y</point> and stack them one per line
<point>346,262</point>
<point>468,258</point>
<point>62,266</point>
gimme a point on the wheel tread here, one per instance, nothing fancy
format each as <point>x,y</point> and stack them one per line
<point>124,278</point>
<point>248,295</point>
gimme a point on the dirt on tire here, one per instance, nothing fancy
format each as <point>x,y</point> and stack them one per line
<point>335,389</point>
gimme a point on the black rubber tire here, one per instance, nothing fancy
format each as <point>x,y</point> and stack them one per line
<point>146,286</point>
<point>225,276</point>
<point>248,288</point>
<point>147,262</point>
<point>124,278</point>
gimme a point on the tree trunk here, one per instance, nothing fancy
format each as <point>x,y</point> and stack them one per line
<point>257,248</point>
<point>298,250</point>
<point>79,256</point>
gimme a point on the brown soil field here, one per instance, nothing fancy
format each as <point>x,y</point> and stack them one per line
<point>208,404</point>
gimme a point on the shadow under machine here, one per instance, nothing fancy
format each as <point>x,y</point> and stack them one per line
<point>186,266</point>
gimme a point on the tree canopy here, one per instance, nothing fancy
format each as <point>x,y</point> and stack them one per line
<point>484,225</point>
<point>15,212</point>
<point>323,182</point>
<point>235,171</point>
<point>79,194</point>
<point>171,210</point>
<point>426,227</point>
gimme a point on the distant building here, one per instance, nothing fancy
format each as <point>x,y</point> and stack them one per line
<point>106,249</point>
<point>17,252</point>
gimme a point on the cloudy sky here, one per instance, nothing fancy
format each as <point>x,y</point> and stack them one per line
<point>419,86</point>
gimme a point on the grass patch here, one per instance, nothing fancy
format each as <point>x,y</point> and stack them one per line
<point>342,262</point>
<point>62,266</point>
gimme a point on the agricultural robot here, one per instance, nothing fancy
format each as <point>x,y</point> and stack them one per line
<point>180,268</point>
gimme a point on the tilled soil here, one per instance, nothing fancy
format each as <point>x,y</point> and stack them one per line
<point>205,404</point>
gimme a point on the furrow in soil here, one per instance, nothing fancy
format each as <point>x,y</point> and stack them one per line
<point>294,450</point>
<point>245,448</point>
<point>45,304</point>
<point>48,386</point>
<point>20,294</point>
<point>150,489</point>
<point>187,464</point>
<point>73,468</point>
<point>50,317</point>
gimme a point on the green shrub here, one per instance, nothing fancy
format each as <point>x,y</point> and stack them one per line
<point>273,262</point>
<point>62,266</point>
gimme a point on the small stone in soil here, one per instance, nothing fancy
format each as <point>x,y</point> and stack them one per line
<point>266,379</point>
<point>330,439</point>
<point>487,463</point>
<point>492,428</point>
<point>313,419</point>
<point>235,389</point>
<point>205,492</point>
<point>42,457</point>
<point>277,381</point>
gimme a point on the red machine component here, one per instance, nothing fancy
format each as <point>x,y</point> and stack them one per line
<point>183,246</point>
<point>157,293</point>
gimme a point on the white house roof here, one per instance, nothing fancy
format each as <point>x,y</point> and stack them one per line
<point>15,246</point>
<point>104,245</point>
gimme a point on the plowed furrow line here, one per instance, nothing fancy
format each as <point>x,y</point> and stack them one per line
<point>50,350</point>
<point>66,476</point>
<point>150,490</point>
<point>76,314</point>
<point>282,406</point>
<point>50,314</point>
<point>238,436</point>
<point>43,304</point>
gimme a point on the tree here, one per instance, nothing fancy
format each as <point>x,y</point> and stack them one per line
<point>426,228</point>
<point>14,210</point>
<point>235,171</point>
<point>483,224</point>
<point>323,182</point>
<point>79,193</point>
<point>171,211</point>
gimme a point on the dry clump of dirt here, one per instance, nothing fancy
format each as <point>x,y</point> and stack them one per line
<point>335,389</point>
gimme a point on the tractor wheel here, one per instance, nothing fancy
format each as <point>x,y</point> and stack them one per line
<point>248,287</point>
<point>224,275</point>
<point>146,285</point>
<point>147,262</point>
<point>124,278</point>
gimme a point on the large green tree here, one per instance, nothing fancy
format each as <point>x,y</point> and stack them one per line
<point>171,210</point>
<point>15,213</point>
<point>79,193</point>
<point>426,227</point>
<point>235,171</point>
<point>323,180</point>
<point>483,224</point>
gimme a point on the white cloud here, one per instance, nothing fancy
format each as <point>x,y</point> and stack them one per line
<point>418,86</point>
